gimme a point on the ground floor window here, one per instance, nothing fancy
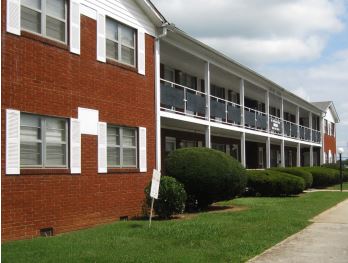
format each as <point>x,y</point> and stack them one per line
<point>43,141</point>
<point>121,147</point>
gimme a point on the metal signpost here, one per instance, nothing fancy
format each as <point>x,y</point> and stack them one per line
<point>156,178</point>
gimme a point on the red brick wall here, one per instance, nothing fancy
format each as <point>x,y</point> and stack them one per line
<point>39,77</point>
<point>329,144</point>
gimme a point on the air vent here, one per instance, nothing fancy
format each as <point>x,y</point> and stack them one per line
<point>124,218</point>
<point>46,232</point>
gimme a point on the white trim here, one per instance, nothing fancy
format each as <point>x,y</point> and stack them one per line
<point>13,17</point>
<point>12,141</point>
<point>102,147</point>
<point>158,103</point>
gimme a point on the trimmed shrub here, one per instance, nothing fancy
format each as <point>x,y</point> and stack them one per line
<point>171,197</point>
<point>208,175</point>
<point>336,166</point>
<point>273,183</point>
<point>323,177</point>
<point>297,171</point>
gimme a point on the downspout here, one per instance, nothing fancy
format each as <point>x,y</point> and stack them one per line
<point>158,94</point>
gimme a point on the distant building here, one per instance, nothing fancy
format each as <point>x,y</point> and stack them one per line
<point>330,120</point>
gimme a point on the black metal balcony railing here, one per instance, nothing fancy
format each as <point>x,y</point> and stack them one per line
<point>186,101</point>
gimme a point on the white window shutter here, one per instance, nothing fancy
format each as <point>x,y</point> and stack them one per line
<point>142,150</point>
<point>12,141</point>
<point>101,42</point>
<point>141,52</point>
<point>102,147</point>
<point>75,146</point>
<point>13,17</point>
<point>75,26</point>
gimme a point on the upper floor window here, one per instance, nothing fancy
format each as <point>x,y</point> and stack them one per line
<point>44,141</point>
<point>120,42</point>
<point>121,147</point>
<point>332,126</point>
<point>45,17</point>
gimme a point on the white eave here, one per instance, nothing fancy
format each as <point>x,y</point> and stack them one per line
<point>152,12</point>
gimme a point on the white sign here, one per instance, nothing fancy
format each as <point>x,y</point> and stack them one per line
<point>156,178</point>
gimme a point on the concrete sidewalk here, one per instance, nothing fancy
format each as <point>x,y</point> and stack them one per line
<point>326,240</point>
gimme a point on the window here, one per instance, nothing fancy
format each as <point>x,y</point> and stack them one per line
<point>43,141</point>
<point>121,147</point>
<point>219,147</point>
<point>187,144</point>
<point>120,42</point>
<point>217,91</point>
<point>332,127</point>
<point>170,144</point>
<point>45,17</point>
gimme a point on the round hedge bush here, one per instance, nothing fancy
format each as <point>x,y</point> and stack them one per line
<point>171,197</point>
<point>273,183</point>
<point>323,177</point>
<point>208,175</point>
<point>297,171</point>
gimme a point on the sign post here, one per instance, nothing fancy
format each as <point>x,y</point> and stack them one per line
<point>156,178</point>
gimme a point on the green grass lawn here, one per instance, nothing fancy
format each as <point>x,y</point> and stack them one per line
<point>338,186</point>
<point>208,237</point>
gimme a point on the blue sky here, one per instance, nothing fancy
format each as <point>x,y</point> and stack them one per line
<point>300,44</point>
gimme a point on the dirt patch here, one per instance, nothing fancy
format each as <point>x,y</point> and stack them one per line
<point>211,209</point>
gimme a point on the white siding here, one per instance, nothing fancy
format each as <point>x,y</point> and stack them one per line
<point>125,11</point>
<point>329,116</point>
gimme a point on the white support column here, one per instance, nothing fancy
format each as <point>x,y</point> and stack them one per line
<point>268,152</point>
<point>242,149</point>
<point>298,159</point>
<point>282,115</point>
<point>241,98</point>
<point>158,104</point>
<point>267,109</point>
<point>321,125</point>
<point>298,121</point>
<point>311,126</point>
<point>207,88</point>
<point>208,137</point>
<point>282,153</point>
<point>311,156</point>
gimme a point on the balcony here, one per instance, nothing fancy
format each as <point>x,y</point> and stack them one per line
<point>186,101</point>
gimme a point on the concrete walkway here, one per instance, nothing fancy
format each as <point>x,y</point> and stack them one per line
<point>324,241</point>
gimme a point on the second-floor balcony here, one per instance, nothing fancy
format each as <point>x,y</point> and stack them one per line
<point>186,101</point>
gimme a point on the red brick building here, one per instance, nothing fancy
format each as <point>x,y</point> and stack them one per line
<point>330,120</point>
<point>78,114</point>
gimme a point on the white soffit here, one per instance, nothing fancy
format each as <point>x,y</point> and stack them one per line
<point>89,119</point>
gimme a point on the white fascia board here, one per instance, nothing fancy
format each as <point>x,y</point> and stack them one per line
<point>175,116</point>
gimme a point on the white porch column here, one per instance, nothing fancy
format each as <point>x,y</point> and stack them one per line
<point>298,121</point>
<point>282,116</point>
<point>298,159</point>
<point>241,99</point>
<point>311,156</point>
<point>267,108</point>
<point>158,104</point>
<point>282,153</point>
<point>207,88</point>
<point>208,137</point>
<point>242,149</point>
<point>268,152</point>
<point>321,125</point>
<point>311,125</point>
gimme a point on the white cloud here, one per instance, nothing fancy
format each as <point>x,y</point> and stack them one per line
<point>258,31</point>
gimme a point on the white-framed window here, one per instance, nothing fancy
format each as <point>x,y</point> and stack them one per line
<point>43,141</point>
<point>122,143</point>
<point>260,153</point>
<point>235,151</point>
<point>45,17</point>
<point>120,42</point>
<point>170,144</point>
<point>187,144</point>
<point>219,147</point>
